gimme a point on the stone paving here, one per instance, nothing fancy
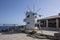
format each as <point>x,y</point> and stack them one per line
<point>22,36</point>
<point>18,36</point>
<point>47,32</point>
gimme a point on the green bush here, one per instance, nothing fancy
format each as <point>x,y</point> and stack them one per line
<point>33,32</point>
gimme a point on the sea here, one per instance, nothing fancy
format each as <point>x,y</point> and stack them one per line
<point>4,27</point>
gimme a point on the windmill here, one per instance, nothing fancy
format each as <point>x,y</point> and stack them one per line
<point>31,17</point>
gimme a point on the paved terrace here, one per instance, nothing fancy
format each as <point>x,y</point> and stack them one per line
<point>47,32</point>
<point>18,36</point>
<point>22,36</point>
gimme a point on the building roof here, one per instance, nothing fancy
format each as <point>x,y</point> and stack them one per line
<point>51,17</point>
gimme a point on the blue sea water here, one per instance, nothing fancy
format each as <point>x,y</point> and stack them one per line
<point>4,27</point>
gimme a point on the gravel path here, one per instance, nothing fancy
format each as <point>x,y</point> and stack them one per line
<point>17,36</point>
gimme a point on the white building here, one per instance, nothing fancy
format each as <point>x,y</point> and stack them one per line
<point>30,20</point>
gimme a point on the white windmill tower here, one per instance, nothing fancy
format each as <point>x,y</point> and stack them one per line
<point>31,19</point>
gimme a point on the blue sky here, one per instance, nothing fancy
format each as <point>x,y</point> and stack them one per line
<point>13,11</point>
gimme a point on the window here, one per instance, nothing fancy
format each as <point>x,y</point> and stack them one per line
<point>28,22</point>
<point>36,25</point>
<point>28,16</point>
<point>24,20</point>
<point>38,20</point>
<point>35,16</point>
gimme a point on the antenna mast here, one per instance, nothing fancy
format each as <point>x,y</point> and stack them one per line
<point>28,8</point>
<point>33,7</point>
<point>38,10</point>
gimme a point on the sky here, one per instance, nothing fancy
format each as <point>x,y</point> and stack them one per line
<point>13,11</point>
